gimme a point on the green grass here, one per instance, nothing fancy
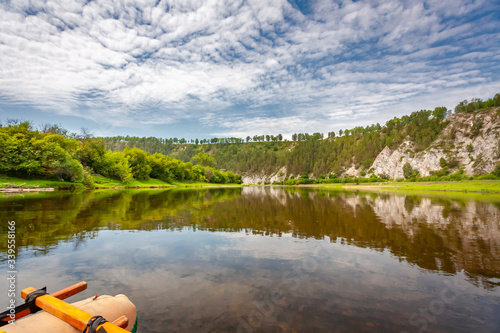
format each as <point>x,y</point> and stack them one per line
<point>102,182</point>
<point>42,183</point>
<point>473,186</point>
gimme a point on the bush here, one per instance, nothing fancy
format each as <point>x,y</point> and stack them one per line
<point>115,165</point>
<point>88,180</point>
<point>488,176</point>
<point>476,128</point>
<point>138,161</point>
<point>161,167</point>
<point>407,170</point>
<point>496,172</point>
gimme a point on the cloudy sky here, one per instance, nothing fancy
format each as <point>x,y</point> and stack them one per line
<point>190,68</point>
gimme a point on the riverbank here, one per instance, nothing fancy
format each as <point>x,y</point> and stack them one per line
<point>464,186</point>
<point>100,183</point>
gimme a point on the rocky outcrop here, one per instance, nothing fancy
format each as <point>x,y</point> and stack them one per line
<point>470,139</point>
<point>278,176</point>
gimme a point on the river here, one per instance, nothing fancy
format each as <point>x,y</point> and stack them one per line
<point>263,259</point>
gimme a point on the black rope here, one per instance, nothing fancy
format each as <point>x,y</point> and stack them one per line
<point>94,323</point>
<point>31,298</point>
<point>28,304</point>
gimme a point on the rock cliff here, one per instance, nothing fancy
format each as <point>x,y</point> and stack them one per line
<point>470,141</point>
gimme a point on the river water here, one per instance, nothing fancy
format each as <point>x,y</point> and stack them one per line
<point>262,259</point>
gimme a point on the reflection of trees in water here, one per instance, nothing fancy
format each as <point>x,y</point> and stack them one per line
<point>436,234</point>
<point>42,221</point>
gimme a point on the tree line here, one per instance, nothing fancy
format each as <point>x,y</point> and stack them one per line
<point>53,153</point>
<point>311,153</point>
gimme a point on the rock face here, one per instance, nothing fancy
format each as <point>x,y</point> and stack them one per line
<point>472,140</point>
<point>263,178</point>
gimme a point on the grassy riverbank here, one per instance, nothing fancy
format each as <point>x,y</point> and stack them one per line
<point>472,186</point>
<point>102,183</point>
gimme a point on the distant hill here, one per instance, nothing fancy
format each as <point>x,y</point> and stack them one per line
<point>427,142</point>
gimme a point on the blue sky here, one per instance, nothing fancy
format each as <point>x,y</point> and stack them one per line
<point>188,68</point>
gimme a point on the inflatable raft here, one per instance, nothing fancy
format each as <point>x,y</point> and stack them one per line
<point>99,314</point>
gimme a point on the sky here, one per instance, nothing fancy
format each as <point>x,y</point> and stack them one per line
<point>199,69</point>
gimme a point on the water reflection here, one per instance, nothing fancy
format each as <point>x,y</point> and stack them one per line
<point>434,233</point>
<point>208,259</point>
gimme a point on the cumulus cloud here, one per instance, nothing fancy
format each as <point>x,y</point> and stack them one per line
<point>242,66</point>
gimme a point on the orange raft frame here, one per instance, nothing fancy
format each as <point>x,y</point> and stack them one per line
<point>72,315</point>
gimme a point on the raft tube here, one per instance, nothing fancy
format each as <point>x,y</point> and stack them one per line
<point>109,307</point>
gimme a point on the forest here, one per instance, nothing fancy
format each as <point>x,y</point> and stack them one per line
<point>50,152</point>
<point>307,153</point>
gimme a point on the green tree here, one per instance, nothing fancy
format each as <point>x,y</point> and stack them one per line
<point>496,172</point>
<point>161,167</point>
<point>138,161</point>
<point>91,154</point>
<point>440,112</point>
<point>55,154</point>
<point>116,165</point>
<point>204,160</point>
<point>407,170</point>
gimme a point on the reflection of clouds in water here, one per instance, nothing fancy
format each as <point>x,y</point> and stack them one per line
<point>173,288</point>
<point>189,293</point>
<point>384,254</point>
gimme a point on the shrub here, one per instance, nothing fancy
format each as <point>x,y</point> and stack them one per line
<point>116,166</point>
<point>496,172</point>
<point>407,170</point>
<point>138,161</point>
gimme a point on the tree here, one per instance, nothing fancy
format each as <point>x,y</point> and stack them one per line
<point>496,172</point>
<point>407,170</point>
<point>138,160</point>
<point>115,165</point>
<point>91,154</point>
<point>53,129</point>
<point>161,167</point>
<point>55,153</point>
<point>462,106</point>
<point>440,112</point>
<point>443,163</point>
<point>496,100</point>
<point>203,160</point>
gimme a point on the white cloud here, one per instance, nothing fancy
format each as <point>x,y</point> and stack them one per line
<point>247,62</point>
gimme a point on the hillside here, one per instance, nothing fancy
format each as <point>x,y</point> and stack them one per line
<point>428,142</point>
<point>51,154</point>
<point>470,141</point>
